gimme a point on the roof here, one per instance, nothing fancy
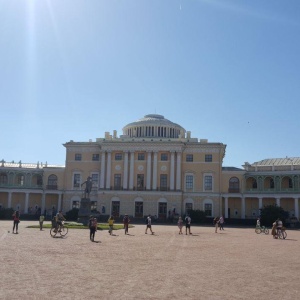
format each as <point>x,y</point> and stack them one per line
<point>231,169</point>
<point>287,161</point>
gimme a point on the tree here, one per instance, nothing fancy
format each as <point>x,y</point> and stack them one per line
<point>270,213</point>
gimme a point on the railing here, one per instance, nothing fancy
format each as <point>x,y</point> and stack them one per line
<point>21,186</point>
<point>51,187</point>
<point>233,190</point>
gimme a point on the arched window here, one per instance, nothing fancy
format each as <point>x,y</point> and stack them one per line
<point>52,182</point>
<point>234,185</point>
<point>3,178</point>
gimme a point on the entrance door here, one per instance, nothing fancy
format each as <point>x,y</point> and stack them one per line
<point>162,210</point>
<point>138,209</point>
<point>115,208</point>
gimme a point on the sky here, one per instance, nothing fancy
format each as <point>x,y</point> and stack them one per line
<point>226,70</point>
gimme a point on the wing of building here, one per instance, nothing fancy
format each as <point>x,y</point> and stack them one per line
<point>155,167</point>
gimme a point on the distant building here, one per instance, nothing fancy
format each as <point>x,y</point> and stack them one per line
<point>155,167</point>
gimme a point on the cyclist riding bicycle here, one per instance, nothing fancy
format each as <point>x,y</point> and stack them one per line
<point>59,218</point>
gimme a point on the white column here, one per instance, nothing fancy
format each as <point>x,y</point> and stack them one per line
<point>59,202</point>
<point>154,180</point>
<point>43,203</point>
<point>125,175</point>
<point>296,205</point>
<point>178,171</point>
<point>226,207</point>
<point>9,200</point>
<point>243,208</point>
<point>278,201</point>
<point>108,170</point>
<point>131,170</point>
<point>172,171</point>
<point>26,203</point>
<point>259,203</point>
<point>148,184</point>
<point>102,173</point>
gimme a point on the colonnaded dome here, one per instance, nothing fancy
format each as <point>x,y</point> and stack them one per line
<point>154,125</point>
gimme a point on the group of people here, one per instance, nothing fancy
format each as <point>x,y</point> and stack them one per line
<point>218,222</point>
<point>187,221</point>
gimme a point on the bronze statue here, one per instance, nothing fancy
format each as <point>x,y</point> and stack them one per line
<point>88,186</point>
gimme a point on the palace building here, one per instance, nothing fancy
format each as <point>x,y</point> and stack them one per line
<point>154,167</point>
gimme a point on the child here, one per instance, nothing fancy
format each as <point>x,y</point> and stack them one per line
<point>111,224</point>
<point>180,225</point>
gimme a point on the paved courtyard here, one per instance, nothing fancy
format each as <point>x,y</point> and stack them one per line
<point>233,264</point>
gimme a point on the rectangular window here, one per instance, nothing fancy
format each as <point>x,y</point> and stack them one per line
<point>208,183</point>
<point>76,181</point>
<point>208,158</point>
<point>208,209</point>
<point>118,156</point>
<point>95,179</point>
<point>77,156</point>
<point>138,209</point>
<point>189,158</point>
<point>93,206</point>
<point>117,181</point>
<point>140,181</point>
<point>189,181</point>
<point>75,204</point>
<point>95,157</point>
<point>141,156</point>
<point>164,157</point>
<point>163,182</point>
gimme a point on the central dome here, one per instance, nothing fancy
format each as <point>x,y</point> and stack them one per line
<point>153,125</point>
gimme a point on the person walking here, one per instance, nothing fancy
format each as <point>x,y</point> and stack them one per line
<point>149,225</point>
<point>93,228</point>
<point>216,223</point>
<point>111,224</point>
<point>41,221</point>
<point>188,221</point>
<point>16,218</point>
<point>180,225</point>
<point>126,221</point>
<point>221,223</point>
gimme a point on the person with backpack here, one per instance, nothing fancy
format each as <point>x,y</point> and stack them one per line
<point>126,221</point>
<point>188,221</point>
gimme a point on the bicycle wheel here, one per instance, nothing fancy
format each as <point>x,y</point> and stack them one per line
<point>53,232</point>
<point>266,231</point>
<point>64,231</point>
<point>284,235</point>
<point>280,235</point>
<point>258,230</point>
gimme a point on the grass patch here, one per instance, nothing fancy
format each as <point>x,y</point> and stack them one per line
<point>75,225</point>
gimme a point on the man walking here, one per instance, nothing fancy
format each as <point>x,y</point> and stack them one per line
<point>149,225</point>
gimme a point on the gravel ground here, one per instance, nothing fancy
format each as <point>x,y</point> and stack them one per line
<point>233,264</point>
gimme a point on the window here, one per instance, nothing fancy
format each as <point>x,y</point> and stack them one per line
<point>138,209</point>
<point>75,204</point>
<point>141,156</point>
<point>20,180</point>
<point>188,207</point>
<point>234,185</point>
<point>290,183</point>
<point>189,158</point>
<point>76,181</point>
<point>208,158</point>
<point>39,180</point>
<point>189,181</point>
<point>52,182</point>
<point>272,185</point>
<point>3,179</point>
<point>77,156</point>
<point>208,209</point>
<point>95,157</point>
<point>117,181</point>
<point>208,183</point>
<point>140,181</point>
<point>254,183</point>
<point>93,206</point>
<point>164,157</point>
<point>118,156</point>
<point>163,182</point>
<point>95,179</point>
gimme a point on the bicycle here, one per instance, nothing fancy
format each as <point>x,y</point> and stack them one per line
<point>58,230</point>
<point>281,233</point>
<point>261,229</point>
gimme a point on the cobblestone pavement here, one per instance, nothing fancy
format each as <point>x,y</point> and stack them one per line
<point>233,264</point>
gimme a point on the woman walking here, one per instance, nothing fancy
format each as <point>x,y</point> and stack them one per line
<point>16,218</point>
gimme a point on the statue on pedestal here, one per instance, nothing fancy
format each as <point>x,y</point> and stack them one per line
<point>88,187</point>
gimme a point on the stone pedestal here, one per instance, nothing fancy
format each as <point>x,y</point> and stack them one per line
<point>84,211</point>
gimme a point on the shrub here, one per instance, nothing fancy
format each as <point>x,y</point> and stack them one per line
<point>197,216</point>
<point>6,213</point>
<point>72,215</point>
<point>269,213</point>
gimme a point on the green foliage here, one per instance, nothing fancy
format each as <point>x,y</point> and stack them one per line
<point>6,213</point>
<point>197,216</point>
<point>72,215</point>
<point>270,213</point>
